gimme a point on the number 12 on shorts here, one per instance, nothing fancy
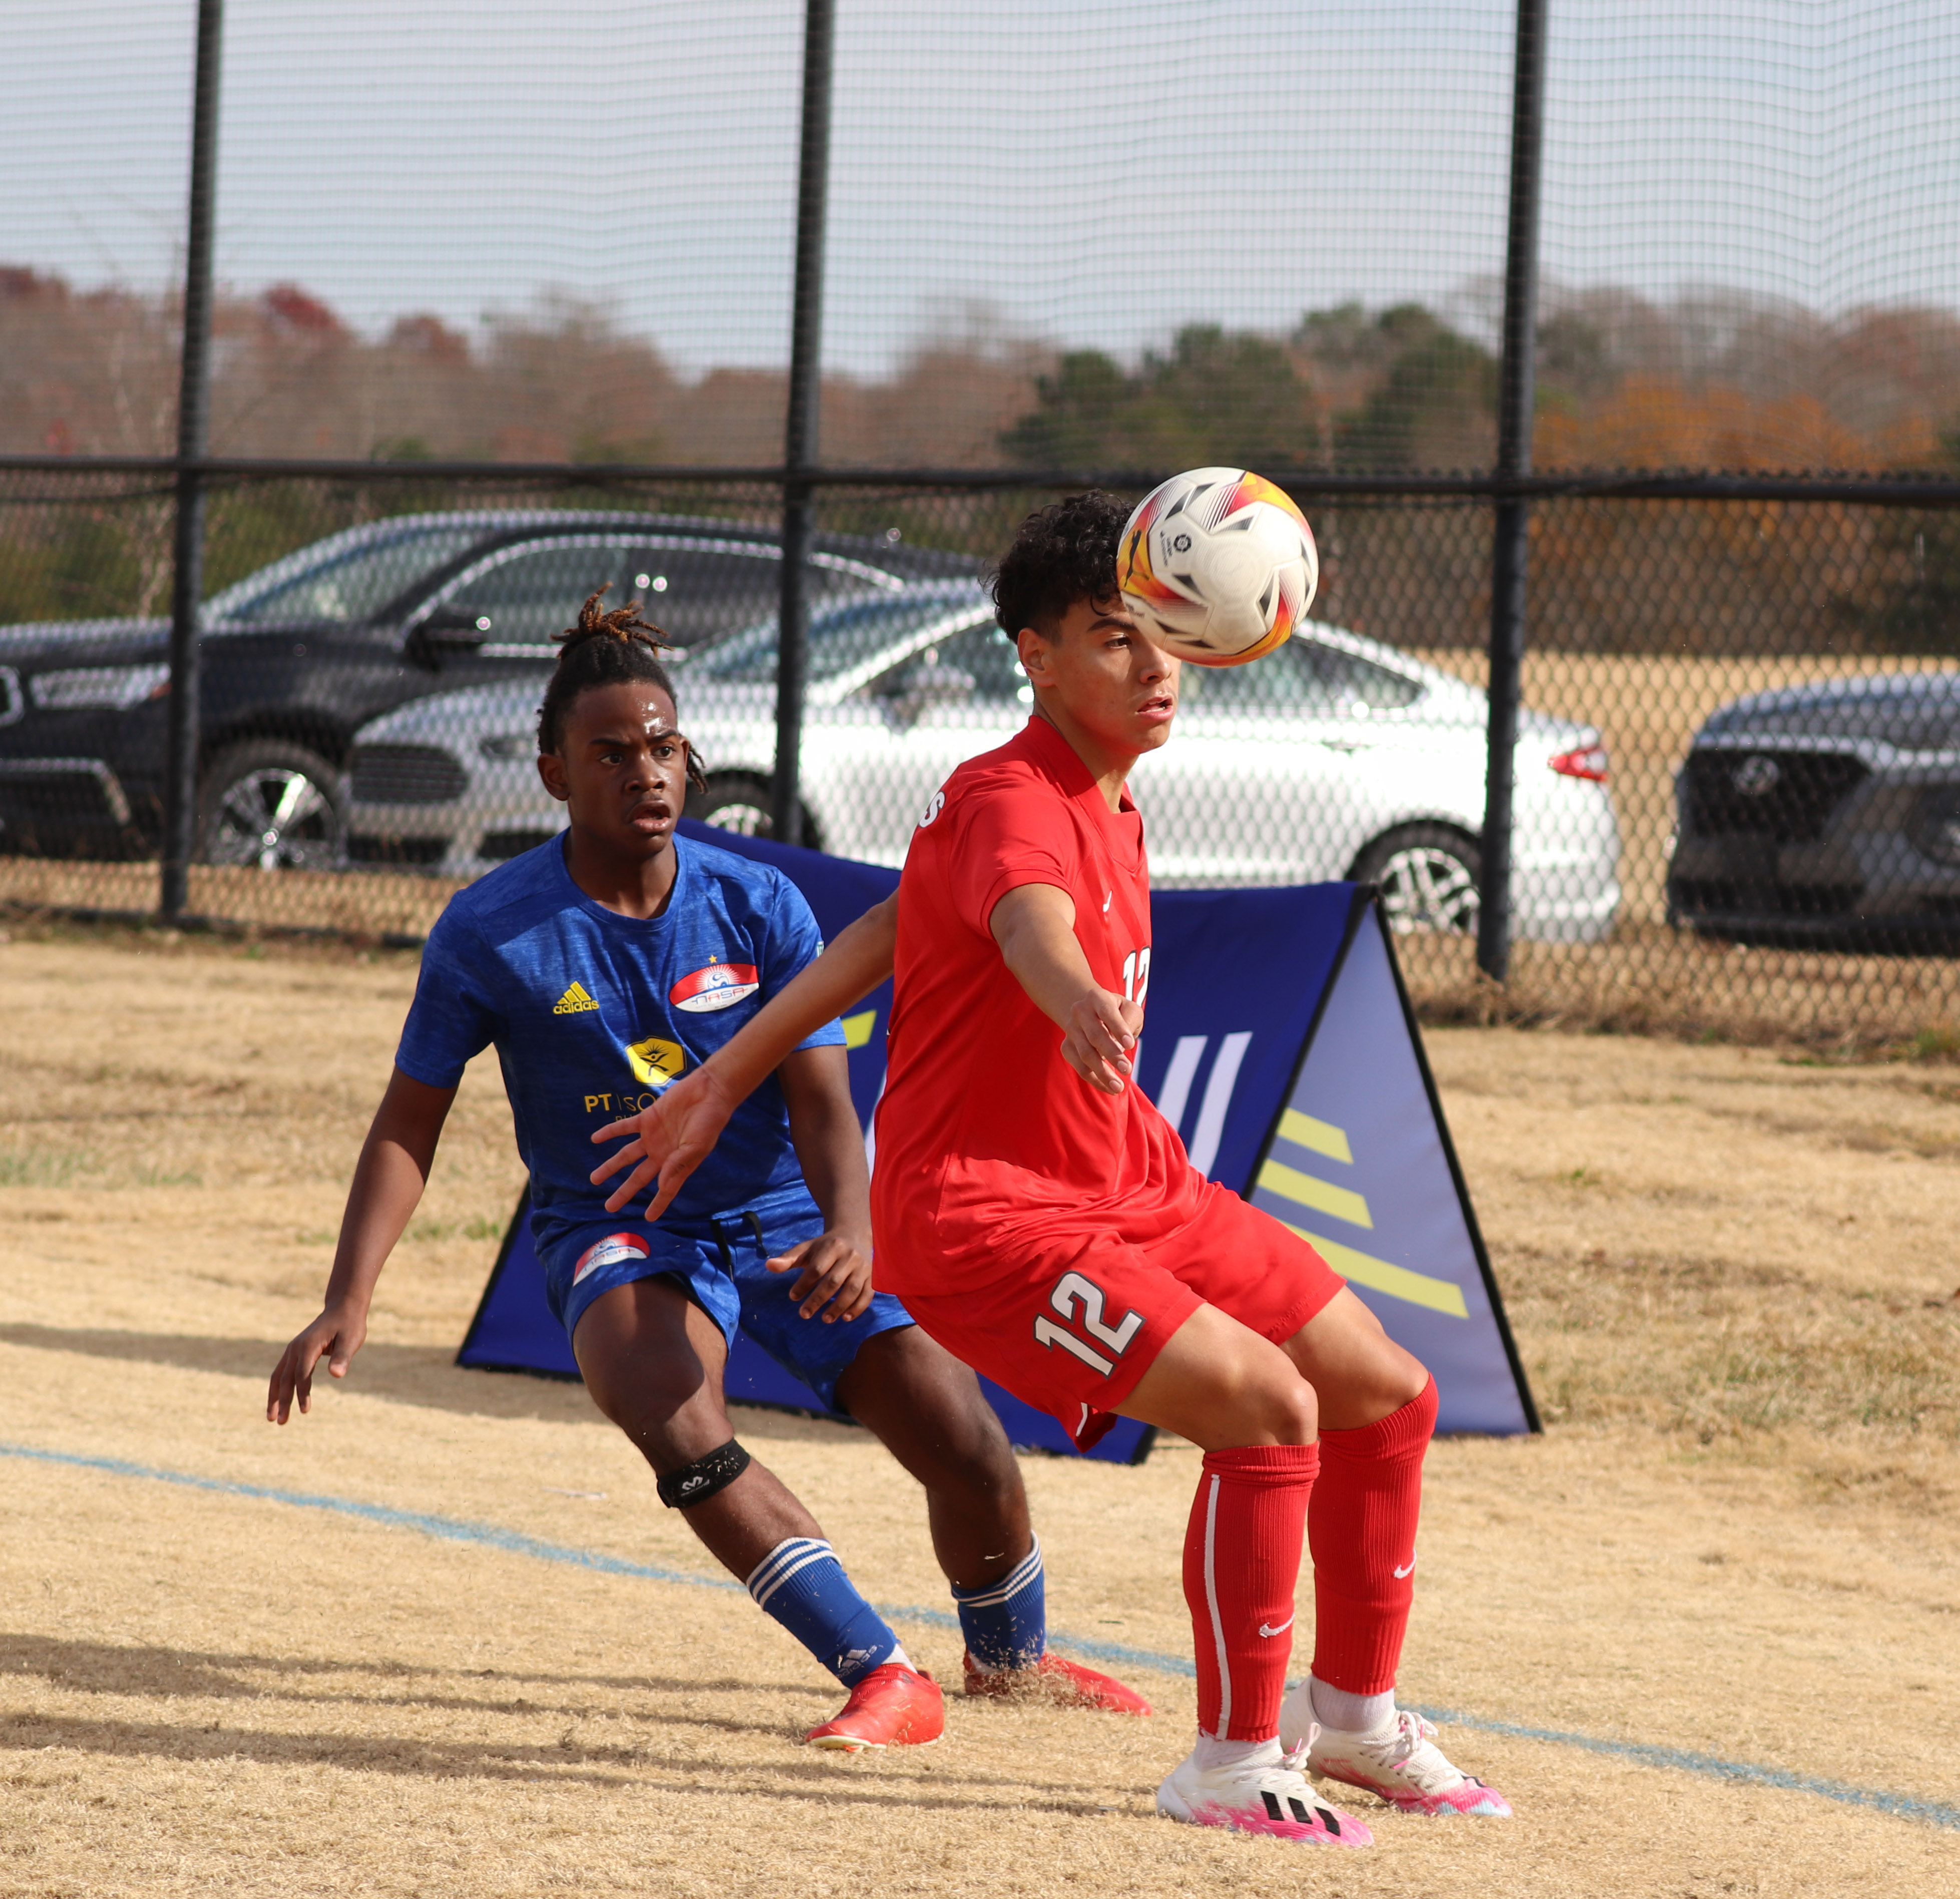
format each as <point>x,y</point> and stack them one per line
<point>1072,1290</point>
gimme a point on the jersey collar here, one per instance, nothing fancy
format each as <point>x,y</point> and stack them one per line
<point>1065,763</point>
<point>571,894</point>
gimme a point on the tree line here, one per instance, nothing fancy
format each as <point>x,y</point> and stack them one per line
<point>1717,381</point>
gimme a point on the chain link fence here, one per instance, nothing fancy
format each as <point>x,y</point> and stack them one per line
<point>1739,766</point>
<point>540,293</point>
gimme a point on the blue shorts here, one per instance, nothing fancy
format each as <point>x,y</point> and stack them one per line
<point>720,1262</point>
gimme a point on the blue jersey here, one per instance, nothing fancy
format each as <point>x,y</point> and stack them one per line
<point>593,1013</point>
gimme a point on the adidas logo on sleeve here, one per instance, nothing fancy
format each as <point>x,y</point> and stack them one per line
<point>575,1001</point>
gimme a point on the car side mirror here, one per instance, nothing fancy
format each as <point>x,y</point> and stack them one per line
<point>453,629</point>
<point>907,695</point>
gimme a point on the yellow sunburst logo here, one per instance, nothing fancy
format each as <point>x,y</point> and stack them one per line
<point>655,1061</point>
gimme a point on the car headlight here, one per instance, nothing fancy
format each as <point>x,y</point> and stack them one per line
<point>1936,823</point>
<point>508,745</point>
<point>99,687</point>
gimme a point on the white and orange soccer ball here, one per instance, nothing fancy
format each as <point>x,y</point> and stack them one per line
<point>1217,566</point>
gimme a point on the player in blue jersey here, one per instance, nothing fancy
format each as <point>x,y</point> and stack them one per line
<point>602,966</point>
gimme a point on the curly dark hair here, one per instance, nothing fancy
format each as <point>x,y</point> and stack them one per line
<point>606,649</point>
<point>1064,553</point>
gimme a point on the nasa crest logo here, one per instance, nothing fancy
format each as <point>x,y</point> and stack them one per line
<point>610,1252</point>
<point>720,986</point>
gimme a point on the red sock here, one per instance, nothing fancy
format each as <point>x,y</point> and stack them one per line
<point>1362,1531</point>
<point>1241,1562</point>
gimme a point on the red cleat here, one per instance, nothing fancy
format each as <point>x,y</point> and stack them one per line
<point>892,1706</point>
<point>1057,1683</point>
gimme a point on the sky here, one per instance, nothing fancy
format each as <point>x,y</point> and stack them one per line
<point>1078,171</point>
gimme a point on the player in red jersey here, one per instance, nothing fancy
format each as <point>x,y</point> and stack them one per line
<point>1040,1218</point>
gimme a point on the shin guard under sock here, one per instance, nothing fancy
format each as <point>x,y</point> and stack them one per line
<point>1005,1623</point>
<point>1241,1555</point>
<point>801,1584</point>
<point>1361,1529</point>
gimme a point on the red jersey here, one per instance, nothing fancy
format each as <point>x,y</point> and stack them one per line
<point>991,1150</point>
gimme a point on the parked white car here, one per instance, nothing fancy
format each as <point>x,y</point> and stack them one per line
<point>1334,757</point>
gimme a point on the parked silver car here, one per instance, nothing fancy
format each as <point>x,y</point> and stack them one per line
<point>297,656</point>
<point>1334,757</point>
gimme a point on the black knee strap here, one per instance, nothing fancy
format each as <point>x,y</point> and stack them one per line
<point>695,1483</point>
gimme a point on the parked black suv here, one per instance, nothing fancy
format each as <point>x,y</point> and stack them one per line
<point>298,655</point>
<point>1825,813</point>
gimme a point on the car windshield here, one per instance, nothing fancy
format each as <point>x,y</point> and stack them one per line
<point>1916,714</point>
<point>1302,675</point>
<point>840,639</point>
<point>341,583</point>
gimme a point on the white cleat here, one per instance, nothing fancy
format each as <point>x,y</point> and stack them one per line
<point>1402,1764</point>
<point>1266,1794</point>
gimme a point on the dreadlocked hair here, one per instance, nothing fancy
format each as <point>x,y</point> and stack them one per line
<point>613,648</point>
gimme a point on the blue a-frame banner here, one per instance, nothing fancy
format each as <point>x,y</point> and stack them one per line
<point>1360,1163</point>
<point>1281,1046</point>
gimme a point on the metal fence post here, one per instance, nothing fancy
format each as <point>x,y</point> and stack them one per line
<point>1510,552</point>
<point>193,441</point>
<point>800,436</point>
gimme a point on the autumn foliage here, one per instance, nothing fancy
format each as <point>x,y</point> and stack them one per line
<point>1623,383</point>
<point>1716,383</point>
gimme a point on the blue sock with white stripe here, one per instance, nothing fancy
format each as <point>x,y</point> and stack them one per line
<point>803,1585</point>
<point>1005,1623</point>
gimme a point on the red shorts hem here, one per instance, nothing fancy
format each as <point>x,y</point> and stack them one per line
<point>1071,1326</point>
<point>1163,1327</point>
<point>1310,1307</point>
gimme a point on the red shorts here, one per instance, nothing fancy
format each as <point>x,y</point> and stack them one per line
<point>1071,1336</point>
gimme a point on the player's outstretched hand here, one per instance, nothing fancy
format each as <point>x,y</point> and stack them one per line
<point>833,1277</point>
<point>1102,1029</point>
<point>336,1335</point>
<point>668,1140</point>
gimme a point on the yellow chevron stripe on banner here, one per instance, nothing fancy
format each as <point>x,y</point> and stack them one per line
<point>1442,1295</point>
<point>1317,1136</point>
<point>1306,1191</point>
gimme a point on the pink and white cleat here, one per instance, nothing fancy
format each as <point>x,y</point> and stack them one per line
<point>1402,1764</point>
<point>1264,1794</point>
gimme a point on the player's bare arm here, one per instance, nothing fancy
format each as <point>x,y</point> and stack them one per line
<point>833,1270</point>
<point>667,1141</point>
<point>1035,926</point>
<point>388,1183</point>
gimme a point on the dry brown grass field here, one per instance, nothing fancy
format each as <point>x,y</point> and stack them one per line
<point>1733,1271</point>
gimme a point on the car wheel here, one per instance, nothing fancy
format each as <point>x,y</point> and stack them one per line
<point>1430,876</point>
<point>740,802</point>
<point>270,806</point>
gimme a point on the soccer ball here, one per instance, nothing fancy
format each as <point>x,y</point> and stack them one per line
<point>1217,566</point>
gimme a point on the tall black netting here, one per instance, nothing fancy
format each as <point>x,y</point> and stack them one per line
<point>483,260</point>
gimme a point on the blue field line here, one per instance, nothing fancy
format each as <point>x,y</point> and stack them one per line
<point>450,1529</point>
<point>1712,1766</point>
<point>490,1536</point>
